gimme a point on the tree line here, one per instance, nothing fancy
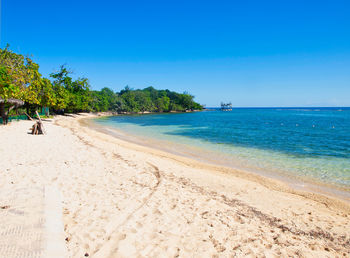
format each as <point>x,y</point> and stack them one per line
<point>20,79</point>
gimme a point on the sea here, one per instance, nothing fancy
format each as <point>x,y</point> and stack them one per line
<point>306,147</point>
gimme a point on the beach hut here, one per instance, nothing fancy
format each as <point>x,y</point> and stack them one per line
<point>6,106</point>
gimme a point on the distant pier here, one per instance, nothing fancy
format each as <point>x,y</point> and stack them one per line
<point>226,106</point>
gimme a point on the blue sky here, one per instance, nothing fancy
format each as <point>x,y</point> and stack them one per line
<point>253,53</point>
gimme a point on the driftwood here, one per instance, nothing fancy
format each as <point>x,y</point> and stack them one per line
<point>31,119</point>
<point>38,127</point>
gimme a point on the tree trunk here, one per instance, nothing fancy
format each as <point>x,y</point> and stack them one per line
<point>5,114</point>
<point>9,109</point>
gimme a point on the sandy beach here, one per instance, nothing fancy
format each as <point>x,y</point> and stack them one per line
<point>125,200</point>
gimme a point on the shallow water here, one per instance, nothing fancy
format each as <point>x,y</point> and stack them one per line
<point>300,143</point>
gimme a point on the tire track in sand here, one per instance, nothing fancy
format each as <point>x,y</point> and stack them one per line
<point>111,246</point>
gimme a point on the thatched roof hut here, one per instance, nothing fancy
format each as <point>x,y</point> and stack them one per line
<point>15,102</point>
<point>10,103</point>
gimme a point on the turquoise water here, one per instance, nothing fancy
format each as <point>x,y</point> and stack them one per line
<point>304,143</point>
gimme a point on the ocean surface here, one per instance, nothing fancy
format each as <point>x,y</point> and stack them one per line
<point>302,144</point>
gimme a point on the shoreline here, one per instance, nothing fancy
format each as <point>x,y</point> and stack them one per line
<point>302,186</point>
<point>122,199</point>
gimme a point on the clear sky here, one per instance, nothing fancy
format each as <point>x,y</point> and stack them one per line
<point>253,53</point>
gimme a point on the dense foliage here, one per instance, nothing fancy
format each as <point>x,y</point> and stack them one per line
<point>20,79</point>
<point>146,100</point>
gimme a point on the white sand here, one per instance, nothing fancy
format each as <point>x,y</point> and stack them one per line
<point>125,200</point>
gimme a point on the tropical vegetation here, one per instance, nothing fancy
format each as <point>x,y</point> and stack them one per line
<point>20,79</point>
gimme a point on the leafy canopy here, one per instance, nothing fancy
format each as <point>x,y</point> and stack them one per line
<point>20,79</point>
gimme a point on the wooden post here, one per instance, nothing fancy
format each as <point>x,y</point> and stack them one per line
<point>37,114</point>
<point>31,119</point>
<point>40,124</point>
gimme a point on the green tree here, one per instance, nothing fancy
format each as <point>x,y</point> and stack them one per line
<point>20,79</point>
<point>162,104</point>
<point>7,87</point>
<point>32,93</point>
<point>19,72</point>
<point>72,96</point>
<point>150,99</point>
<point>47,94</point>
<point>131,104</point>
<point>144,101</point>
<point>80,96</point>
